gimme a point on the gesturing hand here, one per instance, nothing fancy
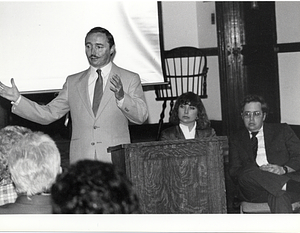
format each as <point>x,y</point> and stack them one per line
<point>117,87</point>
<point>10,93</point>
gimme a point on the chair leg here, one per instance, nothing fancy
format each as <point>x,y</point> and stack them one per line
<point>171,107</point>
<point>161,120</point>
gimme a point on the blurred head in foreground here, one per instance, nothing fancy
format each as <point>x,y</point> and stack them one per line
<point>93,187</point>
<point>9,135</point>
<point>34,163</point>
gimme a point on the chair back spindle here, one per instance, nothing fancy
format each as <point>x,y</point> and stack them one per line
<point>185,69</point>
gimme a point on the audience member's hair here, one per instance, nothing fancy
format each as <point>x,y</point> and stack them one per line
<point>9,135</point>
<point>93,187</point>
<point>192,99</point>
<point>255,98</point>
<point>34,163</point>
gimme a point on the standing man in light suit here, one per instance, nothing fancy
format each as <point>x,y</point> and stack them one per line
<point>92,133</point>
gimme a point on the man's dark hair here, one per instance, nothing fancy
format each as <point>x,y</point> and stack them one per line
<point>255,98</point>
<point>191,99</point>
<point>109,36</point>
<point>93,187</point>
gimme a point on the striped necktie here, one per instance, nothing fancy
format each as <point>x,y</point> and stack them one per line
<point>254,143</point>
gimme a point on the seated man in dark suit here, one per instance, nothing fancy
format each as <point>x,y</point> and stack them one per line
<point>34,162</point>
<point>93,187</point>
<point>264,159</point>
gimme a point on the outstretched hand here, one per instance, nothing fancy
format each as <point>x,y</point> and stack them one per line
<point>11,93</point>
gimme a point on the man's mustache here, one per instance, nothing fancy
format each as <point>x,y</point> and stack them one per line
<point>93,57</point>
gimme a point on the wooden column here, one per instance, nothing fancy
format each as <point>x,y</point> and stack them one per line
<point>233,80</point>
<point>260,56</point>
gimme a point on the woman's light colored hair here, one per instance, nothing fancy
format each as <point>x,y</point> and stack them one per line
<point>9,135</point>
<point>34,163</point>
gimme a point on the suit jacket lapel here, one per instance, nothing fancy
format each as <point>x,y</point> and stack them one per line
<point>82,88</point>
<point>245,143</point>
<point>107,94</point>
<point>268,137</point>
<point>179,133</point>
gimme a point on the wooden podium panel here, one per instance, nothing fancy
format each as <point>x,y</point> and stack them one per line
<point>176,177</point>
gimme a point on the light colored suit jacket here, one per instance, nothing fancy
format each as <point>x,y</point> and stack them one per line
<point>91,136</point>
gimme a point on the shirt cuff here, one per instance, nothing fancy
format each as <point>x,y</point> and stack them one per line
<point>17,101</point>
<point>120,102</point>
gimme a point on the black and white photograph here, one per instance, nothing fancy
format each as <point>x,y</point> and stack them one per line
<point>149,116</point>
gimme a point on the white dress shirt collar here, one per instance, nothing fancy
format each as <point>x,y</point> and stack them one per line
<point>260,132</point>
<point>105,70</point>
<point>93,76</point>
<point>186,132</point>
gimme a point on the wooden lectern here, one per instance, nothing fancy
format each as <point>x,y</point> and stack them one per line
<point>176,177</point>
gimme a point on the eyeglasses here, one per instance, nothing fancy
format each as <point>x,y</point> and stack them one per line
<point>252,114</point>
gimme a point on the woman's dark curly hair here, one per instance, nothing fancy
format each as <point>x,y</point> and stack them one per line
<point>191,99</point>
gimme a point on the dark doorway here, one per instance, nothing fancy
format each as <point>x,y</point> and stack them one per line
<point>260,57</point>
<point>247,58</point>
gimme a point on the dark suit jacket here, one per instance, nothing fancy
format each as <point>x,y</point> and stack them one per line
<point>38,204</point>
<point>175,133</point>
<point>281,144</point>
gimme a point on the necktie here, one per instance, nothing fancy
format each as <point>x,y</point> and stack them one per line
<point>254,143</point>
<point>98,91</point>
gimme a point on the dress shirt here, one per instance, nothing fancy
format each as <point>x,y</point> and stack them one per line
<point>93,77</point>
<point>186,132</point>
<point>261,158</point>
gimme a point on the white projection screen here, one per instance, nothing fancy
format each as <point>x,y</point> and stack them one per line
<point>42,42</point>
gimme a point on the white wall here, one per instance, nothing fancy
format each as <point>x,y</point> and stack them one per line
<point>40,30</point>
<point>179,24</point>
<point>288,30</point>
<point>187,23</point>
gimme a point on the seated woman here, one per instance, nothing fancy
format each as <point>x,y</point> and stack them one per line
<point>189,118</point>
